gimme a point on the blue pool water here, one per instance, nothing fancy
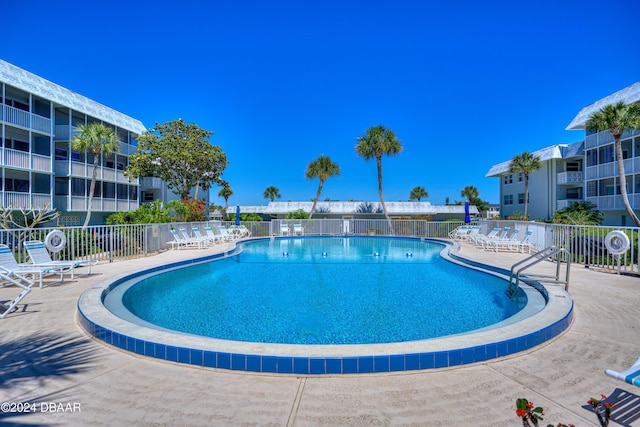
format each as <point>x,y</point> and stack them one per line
<point>355,290</point>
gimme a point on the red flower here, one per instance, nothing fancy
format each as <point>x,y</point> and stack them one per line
<point>530,405</point>
<point>521,413</point>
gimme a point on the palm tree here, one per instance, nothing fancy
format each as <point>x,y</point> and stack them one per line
<point>225,192</point>
<point>418,193</point>
<point>322,167</point>
<point>525,163</point>
<point>376,142</point>
<point>470,192</point>
<point>616,118</point>
<point>272,193</point>
<point>99,140</point>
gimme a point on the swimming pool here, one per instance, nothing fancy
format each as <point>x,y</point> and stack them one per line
<point>404,353</point>
<point>347,290</point>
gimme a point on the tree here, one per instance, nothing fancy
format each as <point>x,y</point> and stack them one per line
<point>579,213</point>
<point>616,118</point>
<point>525,163</point>
<point>100,140</point>
<point>470,192</point>
<point>376,142</point>
<point>418,193</point>
<point>271,193</point>
<point>225,192</point>
<point>181,155</point>
<point>322,168</point>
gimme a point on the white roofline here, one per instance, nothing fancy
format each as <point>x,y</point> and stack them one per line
<point>24,80</point>
<point>628,95</point>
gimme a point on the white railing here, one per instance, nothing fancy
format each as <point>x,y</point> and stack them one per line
<point>150,182</point>
<point>570,178</point>
<point>585,244</point>
<point>40,201</point>
<point>108,174</point>
<point>78,169</point>
<point>16,158</point>
<point>15,116</point>
<point>26,119</point>
<point>40,123</point>
<point>41,163</point>
<point>15,199</point>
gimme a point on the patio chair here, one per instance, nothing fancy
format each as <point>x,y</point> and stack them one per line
<point>459,232</point>
<point>215,238</point>
<point>19,281</point>
<point>200,242</point>
<point>482,241</point>
<point>197,234</point>
<point>493,233</point>
<point>504,243</point>
<point>224,231</point>
<point>284,230</point>
<point>631,375</point>
<point>298,230</point>
<point>39,256</point>
<point>524,243</point>
<point>10,267</point>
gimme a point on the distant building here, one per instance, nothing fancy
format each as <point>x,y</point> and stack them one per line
<point>360,210</point>
<point>493,211</point>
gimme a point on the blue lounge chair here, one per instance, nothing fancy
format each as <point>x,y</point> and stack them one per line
<point>631,375</point>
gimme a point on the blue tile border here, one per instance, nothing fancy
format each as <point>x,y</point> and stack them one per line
<point>318,365</point>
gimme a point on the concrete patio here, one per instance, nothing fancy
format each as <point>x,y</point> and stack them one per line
<point>69,378</point>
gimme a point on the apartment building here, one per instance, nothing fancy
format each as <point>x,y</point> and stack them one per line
<point>37,165</point>
<point>586,170</point>
<point>554,186</point>
<point>601,170</point>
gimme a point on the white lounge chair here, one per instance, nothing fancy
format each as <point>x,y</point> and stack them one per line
<point>481,241</point>
<point>39,256</point>
<point>631,375</point>
<point>284,230</point>
<point>298,230</point>
<point>197,234</point>
<point>524,243</point>
<point>493,233</point>
<point>19,281</point>
<point>10,267</point>
<point>200,242</point>
<point>224,231</point>
<point>504,243</point>
<point>215,238</point>
<point>459,232</point>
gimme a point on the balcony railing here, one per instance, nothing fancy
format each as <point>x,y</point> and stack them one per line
<point>150,182</point>
<point>570,178</point>
<point>98,204</point>
<point>26,119</point>
<point>25,200</point>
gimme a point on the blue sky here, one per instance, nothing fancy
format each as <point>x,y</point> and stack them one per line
<point>464,84</point>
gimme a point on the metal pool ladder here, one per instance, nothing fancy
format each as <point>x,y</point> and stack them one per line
<point>548,252</point>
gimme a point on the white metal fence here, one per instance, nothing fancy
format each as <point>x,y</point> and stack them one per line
<point>585,244</point>
<point>109,242</point>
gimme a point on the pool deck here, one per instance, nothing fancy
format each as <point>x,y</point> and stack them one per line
<point>46,357</point>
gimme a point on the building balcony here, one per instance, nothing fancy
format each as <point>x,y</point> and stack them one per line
<point>150,183</point>
<point>99,204</point>
<point>25,119</point>
<point>614,203</point>
<point>565,203</point>
<point>11,199</point>
<point>570,178</point>
<point>24,160</point>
